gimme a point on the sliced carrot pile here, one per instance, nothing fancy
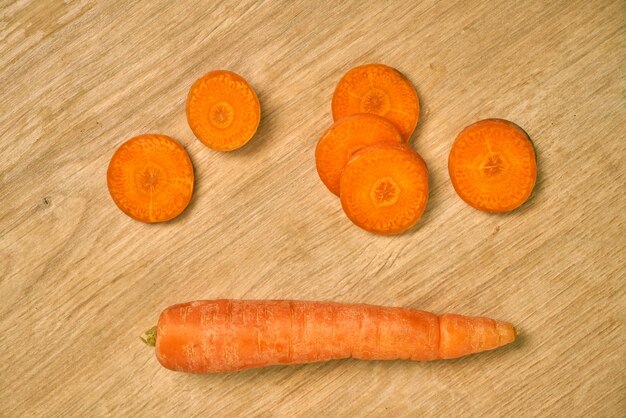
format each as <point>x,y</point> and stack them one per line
<point>384,188</point>
<point>364,157</point>
<point>492,165</point>
<point>223,111</point>
<point>378,89</point>
<point>344,138</point>
<point>150,178</point>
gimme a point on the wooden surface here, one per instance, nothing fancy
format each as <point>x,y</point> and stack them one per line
<point>80,281</point>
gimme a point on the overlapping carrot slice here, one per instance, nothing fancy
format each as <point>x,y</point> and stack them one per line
<point>378,89</point>
<point>384,188</point>
<point>344,138</point>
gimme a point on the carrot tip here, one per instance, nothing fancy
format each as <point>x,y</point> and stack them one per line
<point>150,337</point>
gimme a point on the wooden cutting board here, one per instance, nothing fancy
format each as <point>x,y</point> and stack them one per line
<point>80,281</point>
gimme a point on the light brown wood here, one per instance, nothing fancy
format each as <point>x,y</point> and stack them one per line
<point>80,281</point>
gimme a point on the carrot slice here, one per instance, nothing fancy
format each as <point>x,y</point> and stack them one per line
<point>492,165</point>
<point>150,178</point>
<point>378,89</point>
<point>384,188</point>
<point>223,111</point>
<point>344,138</point>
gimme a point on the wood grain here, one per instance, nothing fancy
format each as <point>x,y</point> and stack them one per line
<point>80,281</point>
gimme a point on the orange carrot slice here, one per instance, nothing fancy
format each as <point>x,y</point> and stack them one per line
<point>150,178</point>
<point>344,138</point>
<point>384,188</point>
<point>378,89</point>
<point>223,111</point>
<point>492,165</point>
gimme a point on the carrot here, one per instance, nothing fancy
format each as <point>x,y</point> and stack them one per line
<point>344,138</point>
<point>217,336</point>
<point>376,88</point>
<point>384,188</point>
<point>492,165</point>
<point>150,178</point>
<point>223,111</point>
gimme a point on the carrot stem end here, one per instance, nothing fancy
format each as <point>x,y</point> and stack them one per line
<point>150,337</point>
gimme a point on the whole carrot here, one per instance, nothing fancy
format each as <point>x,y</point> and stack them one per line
<point>218,336</point>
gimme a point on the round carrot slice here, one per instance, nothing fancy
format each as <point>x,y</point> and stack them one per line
<point>150,178</point>
<point>344,138</point>
<point>223,111</point>
<point>384,188</point>
<point>378,89</point>
<point>492,165</point>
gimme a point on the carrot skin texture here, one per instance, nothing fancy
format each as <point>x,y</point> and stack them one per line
<point>462,335</point>
<point>220,336</point>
